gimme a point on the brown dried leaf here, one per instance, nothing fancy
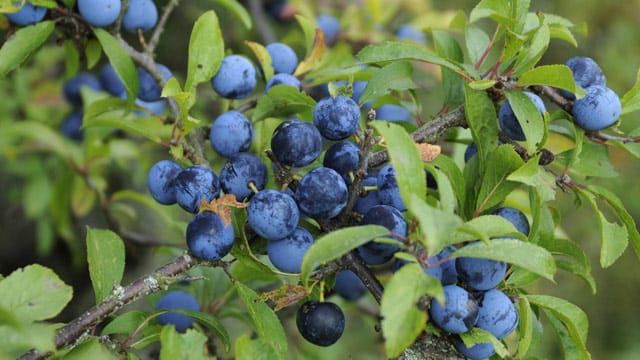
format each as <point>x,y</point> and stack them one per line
<point>429,152</point>
<point>284,296</point>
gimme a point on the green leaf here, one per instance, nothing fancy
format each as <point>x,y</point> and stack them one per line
<point>147,127</point>
<point>395,76</point>
<point>335,244</point>
<point>8,318</point>
<point>538,45</point>
<point>405,158</point>
<point>252,349</point>
<point>435,225</point>
<point>238,10</point>
<point>267,324</point>
<point>571,349</point>
<point>446,165</point>
<point>91,349</point>
<point>525,326</point>
<point>481,117</point>
<point>630,101</point>
<point>479,336</point>
<point>93,52</point>
<point>528,117</point>
<point>593,160</point>
<point>121,62</point>
<point>476,41</point>
<point>484,228</point>
<point>402,319</point>
<point>573,318</point>
<point>519,253</point>
<point>34,293</point>
<point>498,10</point>
<point>43,137</point>
<point>22,45</point>
<point>209,321</point>
<point>263,56</point>
<point>72,59</point>
<point>15,342</point>
<point>404,50</point>
<point>105,255</point>
<point>189,345</point>
<point>494,184</point>
<point>537,177</point>
<point>558,76</point>
<point>206,50</point>
<point>125,323</point>
<point>482,84</point>
<point>447,46</point>
<point>282,101</point>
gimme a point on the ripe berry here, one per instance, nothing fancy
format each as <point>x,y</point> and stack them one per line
<point>239,171</point>
<point>100,13</point>
<point>388,190</point>
<point>330,26</point>
<point>161,181</point>
<point>598,110</point>
<point>343,157</point>
<point>286,254</point>
<point>478,351</point>
<point>508,121</point>
<point>149,89</point>
<point>497,314</point>
<point>336,118</point>
<point>71,127</point>
<point>283,58</point>
<point>392,219</point>
<point>480,274</point>
<point>235,79</point>
<point>516,217</point>
<point>208,237</point>
<point>394,113</point>
<point>141,14</point>
<point>296,143</point>
<point>282,79</point>
<point>586,73</point>
<point>194,184</point>
<point>110,80</point>
<point>322,193</point>
<point>272,214</point>
<point>27,15</point>
<point>177,300</point>
<point>320,323</point>
<point>459,313</point>
<point>72,87</point>
<point>231,133</point>
<point>349,286</point>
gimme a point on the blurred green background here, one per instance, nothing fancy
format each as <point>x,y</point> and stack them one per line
<point>612,40</point>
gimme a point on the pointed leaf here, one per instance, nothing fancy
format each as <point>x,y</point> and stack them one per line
<point>631,100</point>
<point>24,43</point>
<point>574,319</point>
<point>529,118</point>
<point>282,101</point>
<point>395,76</point>
<point>525,326</point>
<point>494,185</point>
<point>238,10</point>
<point>264,59</point>
<point>209,321</point>
<point>105,255</point>
<point>206,50</point>
<point>479,336</point>
<point>447,46</point>
<point>558,76</point>
<point>571,349</point>
<point>435,225</point>
<point>121,62</point>
<point>481,117</point>
<point>485,228</point>
<point>91,349</point>
<point>537,177</point>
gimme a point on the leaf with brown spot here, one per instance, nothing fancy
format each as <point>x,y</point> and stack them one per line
<point>316,56</point>
<point>284,296</point>
<point>429,152</point>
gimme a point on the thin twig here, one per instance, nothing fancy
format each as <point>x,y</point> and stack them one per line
<point>155,37</point>
<point>260,20</point>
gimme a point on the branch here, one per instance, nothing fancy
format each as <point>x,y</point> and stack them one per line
<point>260,20</point>
<point>155,37</point>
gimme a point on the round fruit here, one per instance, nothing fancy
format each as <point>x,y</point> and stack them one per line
<point>72,87</point>
<point>369,197</point>
<point>598,110</point>
<point>177,299</point>
<point>282,79</point>
<point>320,323</point>
<point>322,193</point>
<point>110,80</point>
<point>71,127</point>
<point>283,58</point>
<point>336,118</point>
<point>516,217</point>
<point>480,274</point>
<point>235,79</point>
<point>408,32</point>
<point>208,237</point>
<point>349,286</point>
<point>141,14</point>
<point>296,143</point>
<point>478,351</point>
<point>100,12</point>
<point>231,133</point>
<point>286,254</point>
<point>149,89</point>
<point>497,314</point>
<point>343,157</point>
<point>153,107</point>
<point>239,171</point>
<point>459,313</point>
<point>390,218</point>
<point>508,121</point>
<point>194,184</point>
<point>161,181</point>
<point>470,151</point>
<point>272,214</point>
<point>394,113</point>
<point>358,88</point>
<point>330,26</point>
<point>27,15</point>
<point>586,73</point>
<point>388,190</point>
<point>449,272</point>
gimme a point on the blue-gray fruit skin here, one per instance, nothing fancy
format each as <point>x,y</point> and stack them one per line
<point>497,314</point>
<point>296,143</point>
<point>336,118</point>
<point>27,15</point>
<point>586,73</point>
<point>272,214</point>
<point>239,171</point>
<point>283,58</point>
<point>231,133</point>
<point>208,237</point>
<point>282,79</point>
<point>459,313</point>
<point>140,14</point>
<point>286,254</point>
<point>470,151</point>
<point>408,32</point>
<point>177,299</point>
<point>508,121</point>
<point>235,79</point>
<point>598,110</point>
<point>370,198</point>
<point>343,157</point>
<point>480,274</point>
<point>99,13</point>
<point>478,351</point>
<point>320,323</point>
<point>161,181</point>
<point>388,190</point>
<point>110,80</point>
<point>393,113</point>
<point>330,26</point>
<point>194,184</point>
<point>71,126</point>
<point>374,253</point>
<point>149,89</point>
<point>349,286</point>
<point>322,193</point>
<point>449,272</point>
<point>516,217</point>
<point>71,88</point>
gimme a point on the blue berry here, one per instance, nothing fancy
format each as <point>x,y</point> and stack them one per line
<point>358,87</point>
<point>208,237</point>
<point>435,271</point>
<point>497,314</point>
<point>369,199</point>
<point>100,13</point>
<point>478,351</point>
<point>239,171</point>
<point>231,133</point>
<point>320,323</point>
<point>470,151</point>
<point>27,15</point>
<point>283,58</point>
<point>322,193</point>
<point>296,143</point>
<point>586,73</point>
<point>286,254</point>
<point>194,184</point>
<point>71,127</point>
<point>141,14</point>
<point>508,121</point>
<point>598,110</point>
<point>72,87</point>
<point>408,32</point>
<point>154,107</point>
<point>330,26</point>
<point>343,157</point>
<point>272,214</point>
<point>349,286</point>
<point>282,79</point>
<point>394,113</point>
<point>161,181</point>
<point>516,217</point>
<point>393,220</point>
<point>235,79</point>
<point>275,8</point>
<point>480,274</point>
<point>388,190</point>
<point>459,313</point>
<point>110,80</point>
<point>177,299</point>
<point>449,272</point>
<point>149,89</point>
<point>336,118</point>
